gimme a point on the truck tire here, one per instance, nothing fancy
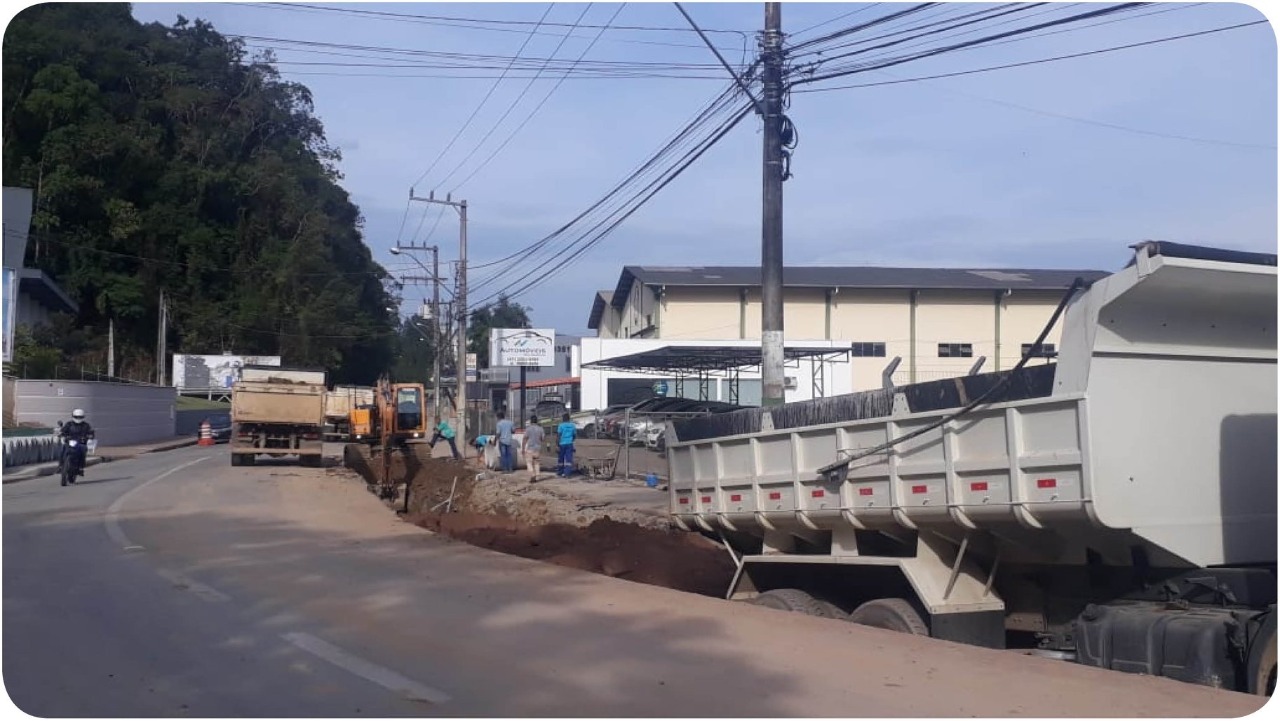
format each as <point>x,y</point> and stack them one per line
<point>790,599</point>
<point>894,614</point>
<point>1262,658</point>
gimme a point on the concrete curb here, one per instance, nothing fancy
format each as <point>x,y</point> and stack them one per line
<point>27,473</point>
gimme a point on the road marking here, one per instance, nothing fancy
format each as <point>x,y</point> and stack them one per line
<point>197,589</point>
<point>384,677</point>
<point>112,519</point>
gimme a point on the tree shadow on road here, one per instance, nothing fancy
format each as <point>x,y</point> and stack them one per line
<point>504,636</point>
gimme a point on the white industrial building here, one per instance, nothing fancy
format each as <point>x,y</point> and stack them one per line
<point>941,323</point>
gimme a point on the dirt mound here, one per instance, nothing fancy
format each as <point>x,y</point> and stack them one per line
<point>658,556</point>
<point>674,559</point>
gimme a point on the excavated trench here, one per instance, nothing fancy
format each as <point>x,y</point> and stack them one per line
<point>441,500</point>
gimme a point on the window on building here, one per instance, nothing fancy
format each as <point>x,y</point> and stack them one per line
<point>955,350</point>
<point>867,350</point>
<point>1047,350</point>
<point>568,364</point>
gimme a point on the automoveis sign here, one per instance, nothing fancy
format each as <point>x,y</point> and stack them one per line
<point>533,347</point>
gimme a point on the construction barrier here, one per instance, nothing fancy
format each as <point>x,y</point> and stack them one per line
<point>206,434</point>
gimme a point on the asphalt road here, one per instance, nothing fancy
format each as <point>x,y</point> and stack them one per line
<point>173,585</point>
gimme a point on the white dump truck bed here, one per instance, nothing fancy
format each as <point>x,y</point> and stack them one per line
<point>1156,427</point>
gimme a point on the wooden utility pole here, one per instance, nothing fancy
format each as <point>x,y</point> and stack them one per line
<point>771,282</point>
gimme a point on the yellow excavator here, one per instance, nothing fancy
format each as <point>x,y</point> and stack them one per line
<point>397,415</point>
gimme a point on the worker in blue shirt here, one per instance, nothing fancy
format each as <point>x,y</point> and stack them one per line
<point>567,433</point>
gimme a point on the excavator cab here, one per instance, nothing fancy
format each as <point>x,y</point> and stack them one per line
<point>410,415</point>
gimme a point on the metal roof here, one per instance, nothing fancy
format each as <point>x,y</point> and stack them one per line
<point>707,358</point>
<point>35,283</point>
<point>602,300</point>
<point>853,277</point>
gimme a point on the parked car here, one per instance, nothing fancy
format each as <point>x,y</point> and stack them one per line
<point>588,422</point>
<point>220,425</point>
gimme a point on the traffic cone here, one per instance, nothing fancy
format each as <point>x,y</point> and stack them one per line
<point>206,435</point>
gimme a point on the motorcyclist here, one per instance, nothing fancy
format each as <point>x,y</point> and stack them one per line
<point>77,430</point>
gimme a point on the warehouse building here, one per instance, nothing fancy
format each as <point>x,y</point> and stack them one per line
<point>941,322</point>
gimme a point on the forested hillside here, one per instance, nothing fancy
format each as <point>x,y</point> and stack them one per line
<point>165,158</point>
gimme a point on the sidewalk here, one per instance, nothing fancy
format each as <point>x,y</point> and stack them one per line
<point>102,455</point>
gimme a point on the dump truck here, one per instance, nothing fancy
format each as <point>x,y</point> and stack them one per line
<point>338,404</point>
<point>1115,507</point>
<point>277,412</point>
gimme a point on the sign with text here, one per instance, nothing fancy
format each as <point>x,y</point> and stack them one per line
<point>531,347</point>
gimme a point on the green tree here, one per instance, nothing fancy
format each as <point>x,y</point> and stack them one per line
<point>165,158</point>
<point>504,313</point>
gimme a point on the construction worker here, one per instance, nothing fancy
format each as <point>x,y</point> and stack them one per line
<point>445,431</point>
<point>506,442</point>
<point>567,433</point>
<point>532,447</point>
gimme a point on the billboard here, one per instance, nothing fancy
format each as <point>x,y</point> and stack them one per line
<point>10,307</point>
<point>214,371</point>
<point>534,347</point>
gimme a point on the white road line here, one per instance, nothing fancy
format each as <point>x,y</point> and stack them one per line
<point>197,589</point>
<point>384,677</point>
<point>112,519</point>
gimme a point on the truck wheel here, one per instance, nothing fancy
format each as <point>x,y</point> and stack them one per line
<point>1262,658</point>
<point>790,599</point>
<point>894,614</point>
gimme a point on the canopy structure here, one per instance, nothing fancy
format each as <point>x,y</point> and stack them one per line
<point>704,361</point>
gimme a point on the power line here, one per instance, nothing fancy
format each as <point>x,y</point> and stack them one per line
<point>653,189</point>
<point>538,107</point>
<point>968,43</point>
<point>464,26</point>
<point>862,26</point>
<point>482,21</point>
<point>483,100</point>
<point>851,13</point>
<point>716,105</point>
<point>79,247</point>
<point>1099,123</point>
<point>1026,62</point>
<point>513,104</point>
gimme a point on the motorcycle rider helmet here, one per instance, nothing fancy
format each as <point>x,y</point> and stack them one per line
<point>78,414</point>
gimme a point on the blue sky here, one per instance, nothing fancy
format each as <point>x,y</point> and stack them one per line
<point>980,170</point>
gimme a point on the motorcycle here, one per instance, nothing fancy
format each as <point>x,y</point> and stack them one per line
<point>73,459</point>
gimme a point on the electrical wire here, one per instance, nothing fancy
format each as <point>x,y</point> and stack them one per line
<point>1029,62</point>
<point>714,106</point>
<point>861,26</point>
<point>514,103</point>
<point>483,100</point>
<point>483,21</point>
<point>512,291</point>
<point>842,16</point>
<point>834,73</point>
<point>541,103</point>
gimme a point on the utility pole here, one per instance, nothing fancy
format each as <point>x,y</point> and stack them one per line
<point>111,348</point>
<point>437,335</point>
<point>771,282</point>
<point>461,305</point>
<point>161,349</point>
